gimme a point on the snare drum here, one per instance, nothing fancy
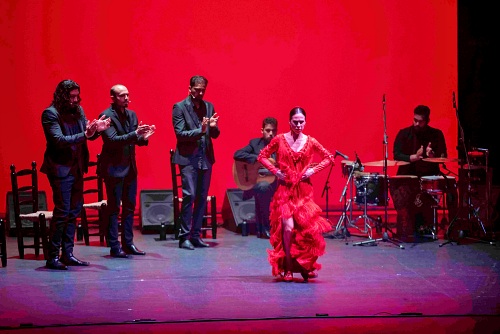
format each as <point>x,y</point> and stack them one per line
<point>370,188</point>
<point>437,183</point>
<point>347,167</point>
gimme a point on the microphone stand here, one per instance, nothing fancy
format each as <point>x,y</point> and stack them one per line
<point>326,188</point>
<point>385,235</point>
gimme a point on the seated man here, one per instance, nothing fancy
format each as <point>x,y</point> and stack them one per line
<point>263,190</point>
<point>423,147</point>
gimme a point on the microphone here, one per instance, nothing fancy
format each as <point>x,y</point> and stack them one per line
<point>341,154</point>
<point>383,98</point>
<point>454,101</point>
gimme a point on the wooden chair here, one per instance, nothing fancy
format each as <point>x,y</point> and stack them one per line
<point>94,225</point>
<point>30,222</point>
<point>3,246</point>
<point>211,213</point>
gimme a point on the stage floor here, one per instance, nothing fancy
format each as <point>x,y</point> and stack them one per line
<point>363,288</point>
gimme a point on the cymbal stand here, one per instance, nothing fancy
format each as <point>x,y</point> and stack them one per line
<point>385,235</point>
<point>472,213</point>
<point>472,216</point>
<point>344,220</point>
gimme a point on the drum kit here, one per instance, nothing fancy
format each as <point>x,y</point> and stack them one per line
<point>412,197</point>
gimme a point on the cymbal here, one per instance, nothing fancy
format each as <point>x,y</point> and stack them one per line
<point>358,173</point>
<point>440,160</point>
<point>380,163</point>
<point>348,162</point>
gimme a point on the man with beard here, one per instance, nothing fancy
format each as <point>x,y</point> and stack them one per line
<point>65,161</point>
<point>119,169</point>
<point>419,141</point>
<point>195,124</point>
<point>415,144</point>
<point>264,188</point>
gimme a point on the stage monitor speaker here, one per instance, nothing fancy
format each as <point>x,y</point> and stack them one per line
<point>156,208</point>
<point>237,211</point>
<point>26,208</point>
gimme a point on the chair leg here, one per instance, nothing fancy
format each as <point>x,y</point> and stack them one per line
<point>176,227</point>
<point>85,226</point>
<point>44,235</point>
<point>36,237</point>
<point>3,241</point>
<point>214,217</point>
<point>103,223</point>
<point>20,240</point>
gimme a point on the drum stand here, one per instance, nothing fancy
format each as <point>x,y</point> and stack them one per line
<point>437,197</point>
<point>345,220</point>
<point>367,219</point>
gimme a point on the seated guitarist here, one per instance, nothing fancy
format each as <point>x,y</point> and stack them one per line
<point>263,190</point>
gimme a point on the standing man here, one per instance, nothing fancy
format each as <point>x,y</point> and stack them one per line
<point>195,124</point>
<point>65,161</point>
<point>263,190</point>
<point>119,170</point>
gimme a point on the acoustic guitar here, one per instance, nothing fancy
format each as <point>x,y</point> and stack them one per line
<point>247,175</point>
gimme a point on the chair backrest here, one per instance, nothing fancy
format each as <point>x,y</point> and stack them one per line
<point>93,183</point>
<point>24,190</point>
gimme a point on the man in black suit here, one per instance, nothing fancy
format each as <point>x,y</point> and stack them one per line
<point>263,190</point>
<point>65,161</point>
<point>119,170</point>
<point>195,124</point>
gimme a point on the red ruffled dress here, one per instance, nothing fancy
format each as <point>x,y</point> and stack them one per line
<point>295,198</point>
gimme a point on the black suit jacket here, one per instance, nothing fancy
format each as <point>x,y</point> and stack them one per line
<point>250,152</point>
<point>187,129</point>
<point>118,149</point>
<point>58,157</point>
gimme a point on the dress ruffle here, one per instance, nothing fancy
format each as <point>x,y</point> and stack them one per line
<point>294,198</point>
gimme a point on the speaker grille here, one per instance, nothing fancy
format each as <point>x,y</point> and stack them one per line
<point>245,211</point>
<point>236,211</point>
<point>156,208</point>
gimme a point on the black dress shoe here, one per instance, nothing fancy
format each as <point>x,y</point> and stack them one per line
<point>71,260</point>
<point>55,264</point>
<point>266,234</point>
<point>133,250</point>
<point>197,242</point>
<point>119,253</point>
<point>186,244</point>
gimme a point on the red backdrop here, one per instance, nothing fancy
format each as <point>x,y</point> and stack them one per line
<point>334,58</point>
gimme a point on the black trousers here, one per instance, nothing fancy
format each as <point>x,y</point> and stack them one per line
<point>67,194</point>
<point>195,184</point>
<point>121,190</point>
